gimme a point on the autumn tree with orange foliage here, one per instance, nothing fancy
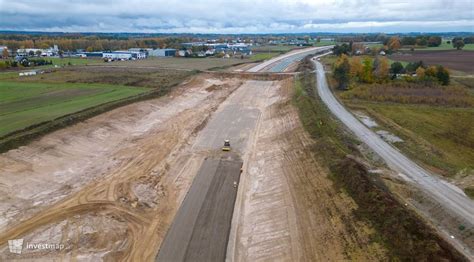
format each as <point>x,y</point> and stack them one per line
<point>356,67</point>
<point>382,69</point>
<point>394,43</point>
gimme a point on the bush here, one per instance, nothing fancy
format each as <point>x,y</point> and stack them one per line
<point>41,62</point>
<point>342,72</point>
<point>396,68</point>
<point>341,49</point>
<point>411,67</point>
<point>442,75</point>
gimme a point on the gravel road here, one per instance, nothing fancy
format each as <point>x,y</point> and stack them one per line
<point>449,196</point>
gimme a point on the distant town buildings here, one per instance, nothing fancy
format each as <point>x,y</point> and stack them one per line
<point>52,51</point>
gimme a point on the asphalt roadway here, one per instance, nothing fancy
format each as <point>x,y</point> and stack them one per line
<point>447,195</point>
<point>200,229</point>
<point>280,63</point>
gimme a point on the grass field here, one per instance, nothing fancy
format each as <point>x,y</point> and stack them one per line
<point>138,77</point>
<point>26,104</point>
<point>274,48</point>
<point>438,136</point>
<point>437,124</point>
<point>325,43</point>
<point>74,61</point>
<point>182,63</point>
<point>263,56</point>
<point>396,227</point>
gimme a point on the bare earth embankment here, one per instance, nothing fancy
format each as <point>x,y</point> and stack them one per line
<point>107,188</point>
<point>289,209</point>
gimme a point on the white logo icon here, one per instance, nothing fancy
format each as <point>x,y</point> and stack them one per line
<point>15,245</point>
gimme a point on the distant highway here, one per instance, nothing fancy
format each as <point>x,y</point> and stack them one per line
<point>280,63</point>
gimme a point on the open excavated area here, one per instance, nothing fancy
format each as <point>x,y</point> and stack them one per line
<point>109,188</point>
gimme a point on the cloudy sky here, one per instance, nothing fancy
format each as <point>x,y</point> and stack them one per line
<point>237,16</point>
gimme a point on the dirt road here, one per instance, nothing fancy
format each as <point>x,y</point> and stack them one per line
<point>288,208</point>
<point>447,195</point>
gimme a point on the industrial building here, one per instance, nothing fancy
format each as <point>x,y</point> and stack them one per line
<point>124,55</point>
<point>162,52</point>
<point>52,51</point>
<point>117,55</point>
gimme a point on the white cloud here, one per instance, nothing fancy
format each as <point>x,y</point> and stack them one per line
<point>245,16</point>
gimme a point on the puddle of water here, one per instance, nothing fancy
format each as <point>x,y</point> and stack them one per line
<point>370,123</point>
<point>366,120</point>
<point>389,137</point>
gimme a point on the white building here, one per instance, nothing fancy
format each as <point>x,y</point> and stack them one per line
<point>124,55</point>
<point>52,51</point>
<point>162,52</point>
<point>138,54</point>
<point>117,55</point>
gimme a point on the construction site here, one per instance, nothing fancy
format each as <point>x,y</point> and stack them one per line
<point>220,168</point>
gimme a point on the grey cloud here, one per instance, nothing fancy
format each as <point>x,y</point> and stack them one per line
<point>237,16</point>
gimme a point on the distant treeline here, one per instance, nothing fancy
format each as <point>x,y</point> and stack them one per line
<point>431,40</point>
<point>90,43</point>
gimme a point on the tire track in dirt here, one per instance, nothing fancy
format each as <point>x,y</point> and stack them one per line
<point>146,162</point>
<point>290,210</point>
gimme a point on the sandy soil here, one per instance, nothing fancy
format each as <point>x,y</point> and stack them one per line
<point>289,209</point>
<point>109,187</point>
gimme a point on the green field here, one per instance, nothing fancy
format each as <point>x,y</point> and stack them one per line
<point>74,61</point>
<point>441,137</point>
<point>324,43</point>
<point>274,48</point>
<point>180,63</point>
<point>26,104</point>
<point>263,56</point>
<point>437,124</point>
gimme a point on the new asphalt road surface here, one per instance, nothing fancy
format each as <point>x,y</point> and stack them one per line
<point>280,63</point>
<point>201,227</point>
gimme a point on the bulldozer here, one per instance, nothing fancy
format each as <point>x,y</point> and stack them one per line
<point>226,146</point>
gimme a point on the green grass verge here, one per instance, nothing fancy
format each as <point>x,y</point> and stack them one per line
<point>274,48</point>
<point>440,137</point>
<point>26,104</point>
<point>405,235</point>
<point>324,43</point>
<point>263,56</point>
<point>74,61</point>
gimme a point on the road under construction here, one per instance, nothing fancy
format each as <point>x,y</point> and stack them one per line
<point>150,182</point>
